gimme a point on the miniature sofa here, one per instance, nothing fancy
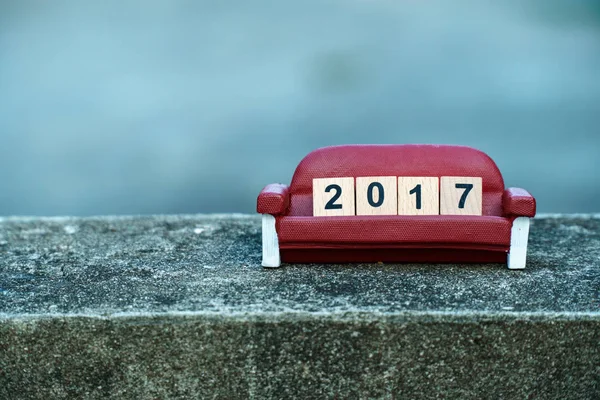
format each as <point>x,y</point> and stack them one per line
<point>292,234</point>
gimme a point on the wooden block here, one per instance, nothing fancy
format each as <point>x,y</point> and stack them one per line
<point>460,195</point>
<point>418,195</point>
<point>376,195</point>
<point>333,196</point>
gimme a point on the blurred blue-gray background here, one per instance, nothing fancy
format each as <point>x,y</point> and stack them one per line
<point>136,107</point>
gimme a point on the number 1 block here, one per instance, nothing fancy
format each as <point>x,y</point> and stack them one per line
<point>461,195</point>
<point>418,195</point>
<point>333,197</point>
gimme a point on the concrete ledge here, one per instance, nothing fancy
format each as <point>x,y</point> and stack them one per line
<point>179,307</point>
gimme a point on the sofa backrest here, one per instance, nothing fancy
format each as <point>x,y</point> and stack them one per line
<point>395,160</point>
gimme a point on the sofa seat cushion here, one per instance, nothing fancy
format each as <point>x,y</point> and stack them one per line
<point>395,229</point>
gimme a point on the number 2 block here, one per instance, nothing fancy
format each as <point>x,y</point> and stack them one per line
<point>376,195</point>
<point>418,195</point>
<point>333,197</point>
<point>460,196</point>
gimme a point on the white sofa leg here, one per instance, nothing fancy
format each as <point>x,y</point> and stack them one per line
<point>270,243</point>
<point>519,236</point>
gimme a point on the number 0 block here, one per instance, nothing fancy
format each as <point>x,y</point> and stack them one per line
<point>333,197</point>
<point>376,195</point>
<point>418,195</point>
<point>460,195</point>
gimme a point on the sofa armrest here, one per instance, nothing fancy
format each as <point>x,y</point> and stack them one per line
<point>518,202</point>
<point>274,199</point>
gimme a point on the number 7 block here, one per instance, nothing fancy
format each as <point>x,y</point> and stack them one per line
<point>461,195</point>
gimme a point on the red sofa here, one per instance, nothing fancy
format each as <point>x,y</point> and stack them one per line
<point>292,234</point>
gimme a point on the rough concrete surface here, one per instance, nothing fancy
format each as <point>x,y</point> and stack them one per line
<point>179,307</point>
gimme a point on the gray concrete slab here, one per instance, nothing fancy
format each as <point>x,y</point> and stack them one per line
<point>178,306</point>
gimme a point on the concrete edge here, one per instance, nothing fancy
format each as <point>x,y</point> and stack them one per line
<point>338,316</point>
<point>217,216</point>
<point>66,218</point>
